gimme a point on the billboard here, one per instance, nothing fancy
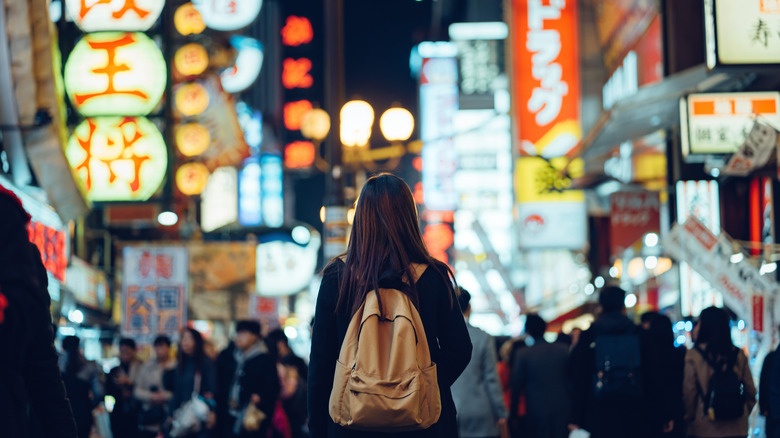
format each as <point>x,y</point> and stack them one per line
<point>741,32</point>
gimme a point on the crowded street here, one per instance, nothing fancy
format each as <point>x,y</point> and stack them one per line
<point>400,218</point>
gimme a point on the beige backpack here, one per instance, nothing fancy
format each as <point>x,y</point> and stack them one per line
<point>385,380</point>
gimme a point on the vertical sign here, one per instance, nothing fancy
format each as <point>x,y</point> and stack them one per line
<point>633,214</point>
<point>154,291</point>
<point>740,32</point>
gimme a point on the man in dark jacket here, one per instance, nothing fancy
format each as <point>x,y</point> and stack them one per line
<point>622,413</point>
<point>30,381</point>
<point>539,372</point>
<point>119,384</point>
<point>246,374</point>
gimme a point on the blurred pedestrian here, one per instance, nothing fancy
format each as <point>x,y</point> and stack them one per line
<point>609,373</point>
<point>714,355</point>
<point>30,382</point>
<point>195,373</point>
<point>666,406</point>
<point>150,391</point>
<point>386,249</point>
<point>539,372</point>
<point>246,381</point>
<point>477,392</point>
<point>82,383</point>
<point>119,384</point>
<point>292,376</point>
<point>768,384</point>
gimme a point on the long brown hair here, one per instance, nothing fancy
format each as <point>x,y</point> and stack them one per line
<point>385,237</point>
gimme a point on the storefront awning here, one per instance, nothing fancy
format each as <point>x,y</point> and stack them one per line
<point>653,107</point>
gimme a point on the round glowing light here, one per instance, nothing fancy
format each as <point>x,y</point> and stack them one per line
<point>315,124</point>
<point>191,59</point>
<point>589,289</point>
<point>129,15</point>
<point>76,316</point>
<point>322,214</point>
<point>291,332</point>
<point>357,116</point>
<point>651,240</point>
<point>301,235</point>
<point>741,324</point>
<point>191,178</point>
<point>599,282</point>
<point>396,124</point>
<point>651,262</point>
<point>167,218</point>
<point>351,216</point>
<point>614,272</point>
<point>192,139</point>
<point>188,20</point>
<point>117,158</point>
<point>115,73</point>
<point>681,340</point>
<point>688,326</point>
<point>228,15</point>
<point>636,267</point>
<point>630,300</point>
<point>736,258</point>
<point>192,99</point>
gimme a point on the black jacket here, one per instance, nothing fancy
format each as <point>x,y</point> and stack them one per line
<point>259,377</point>
<point>600,419</point>
<point>448,340</point>
<point>29,374</point>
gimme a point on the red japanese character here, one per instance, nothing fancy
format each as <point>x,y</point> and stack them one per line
<point>111,69</point>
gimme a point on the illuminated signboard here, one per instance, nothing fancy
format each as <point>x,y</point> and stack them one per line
<point>742,32</point>
<point>250,207</point>
<point>249,61</point>
<point>295,73</point>
<point>191,178</point>
<point>299,154</point>
<point>113,73</point>
<point>273,194</point>
<point>188,20</point>
<point>285,267</point>
<point>127,15</point>
<point>118,158</point>
<point>191,59</point>
<point>89,285</point>
<point>293,113</point>
<point>191,99</point>
<point>227,15</point>
<point>219,201</point>
<point>297,31</point>
<point>192,139</point>
<point>718,123</point>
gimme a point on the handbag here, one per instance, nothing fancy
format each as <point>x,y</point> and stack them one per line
<point>189,417</point>
<point>253,417</point>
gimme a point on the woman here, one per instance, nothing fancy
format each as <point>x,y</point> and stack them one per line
<point>82,384</point>
<point>194,367</point>
<point>713,345</point>
<point>385,242</point>
<point>667,415</point>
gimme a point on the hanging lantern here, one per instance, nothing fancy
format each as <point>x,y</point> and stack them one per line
<point>188,20</point>
<point>192,139</point>
<point>115,73</point>
<point>127,15</point>
<point>227,15</point>
<point>191,178</point>
<point>191,59</point>
<point>117,158</point>
<point>192,99</point>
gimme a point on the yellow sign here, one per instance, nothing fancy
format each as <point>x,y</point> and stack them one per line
<point>192,139</point>
<point>191,59</point>
<point>192,99</point>
<point>539,180</point>
<point>191,178</point>
<point>188,20</point>
<point>115,73</point>
<point>118,158</point>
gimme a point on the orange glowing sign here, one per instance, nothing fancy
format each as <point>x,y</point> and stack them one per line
<point>192,139</point>
<point>117,158</point>
<point>191,59</point>
<point>188,20</point>
<point>191,99</point>
<point>299,155</point>
<point>297,31</point>
<point>100,15</point>
<point>112,73</point>
<point>295,73</point>
<point>293,113</point>
<point>547,84</point>
<point>191,178</point>
<point>51,245</point>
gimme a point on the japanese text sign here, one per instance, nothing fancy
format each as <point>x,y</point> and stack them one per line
<point>742,32</point>
<point>754,152</point>
<point>117,158</point>
<point>547,84</point>
<point>709,255</point>
<point>112,73</point>
<point>127,15</point>
<point>227,15</point>
<point>718,123</point>
<point>154,291</point>
<point>633,214</point>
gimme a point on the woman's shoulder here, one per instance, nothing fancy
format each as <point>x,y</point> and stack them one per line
<point>334,268</point>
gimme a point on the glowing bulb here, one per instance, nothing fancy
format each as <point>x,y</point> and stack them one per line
<point>167,218</point>
<point>630,300</point>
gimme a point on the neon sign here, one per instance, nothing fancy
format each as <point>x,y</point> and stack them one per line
<point>130,15</point>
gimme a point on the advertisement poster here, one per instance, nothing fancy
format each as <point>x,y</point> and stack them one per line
<point>154,292</point>
<point>633,214</point>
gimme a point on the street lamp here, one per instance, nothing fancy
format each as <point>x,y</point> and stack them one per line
<point>396,124</point>
<point>315,125</point>
<point>357,116</point>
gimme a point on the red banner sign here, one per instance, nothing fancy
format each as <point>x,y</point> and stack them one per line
<point>633,215</point>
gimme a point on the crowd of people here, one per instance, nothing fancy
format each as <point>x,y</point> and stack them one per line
<point>254,388</point>
<point>615,380</point>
